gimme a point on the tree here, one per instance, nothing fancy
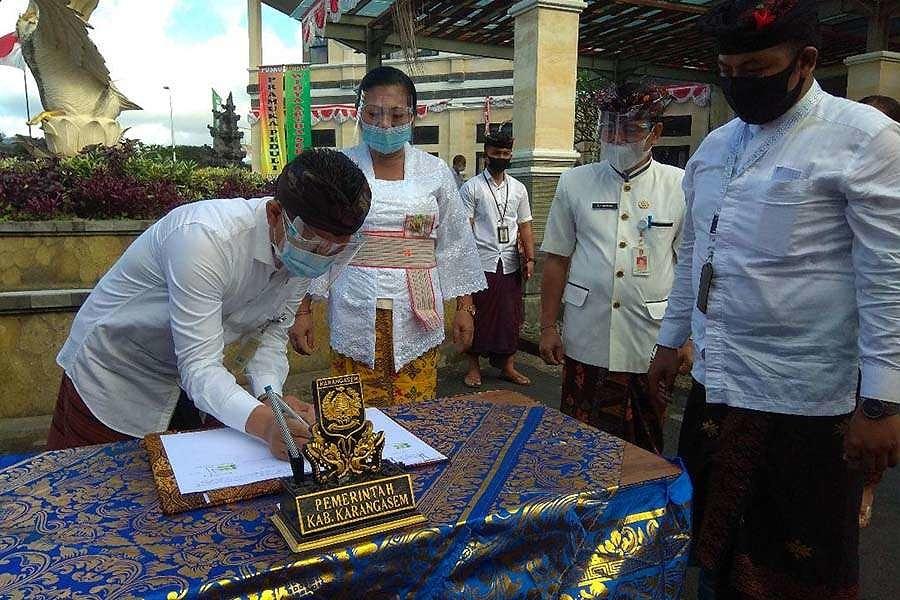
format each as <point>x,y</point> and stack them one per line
<point>587,115</point>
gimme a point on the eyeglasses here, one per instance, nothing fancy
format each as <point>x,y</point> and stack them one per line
<point>396,115</point>
<point>617,127</point>
<point>301,235</point>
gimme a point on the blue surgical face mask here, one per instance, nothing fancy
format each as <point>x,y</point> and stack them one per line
<point>302,263</point>
<point>298,261</point>
<point>386,141</point>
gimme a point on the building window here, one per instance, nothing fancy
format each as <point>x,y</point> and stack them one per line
<point>426,134</point>
<point>318,52</point>
<point>495,127</point>
<point>676,156</point>
<point>324,138</point>
<point>677,126</point>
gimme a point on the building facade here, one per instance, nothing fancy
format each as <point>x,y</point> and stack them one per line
<point>457,93</point>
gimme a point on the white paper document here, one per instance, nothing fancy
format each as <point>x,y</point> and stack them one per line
<point>217,458</point>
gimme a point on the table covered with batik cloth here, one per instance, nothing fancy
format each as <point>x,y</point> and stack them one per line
<point>532,504</point>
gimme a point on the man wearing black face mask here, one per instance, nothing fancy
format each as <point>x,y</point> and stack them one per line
<point>498,208</point>
<point>790,289</point>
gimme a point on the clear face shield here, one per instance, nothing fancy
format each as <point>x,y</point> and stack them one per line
<point>384,119</point>
<point>623,128</point>
<point>624,140</point>
<point>305,253</point>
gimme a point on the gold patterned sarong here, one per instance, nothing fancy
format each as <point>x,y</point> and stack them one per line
<point>382,386</point>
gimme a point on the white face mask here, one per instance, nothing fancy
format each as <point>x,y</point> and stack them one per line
<point>624,157</point>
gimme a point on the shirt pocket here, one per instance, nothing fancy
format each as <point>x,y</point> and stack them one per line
<point>771,220</point>
<point>574,294</point>
<point>657,310</point>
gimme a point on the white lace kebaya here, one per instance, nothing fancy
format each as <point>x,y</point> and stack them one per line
<point>427,192</point>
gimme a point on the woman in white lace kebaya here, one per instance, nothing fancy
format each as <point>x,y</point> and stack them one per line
<point>386,309</point>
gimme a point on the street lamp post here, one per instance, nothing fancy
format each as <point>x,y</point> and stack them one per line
<point>171,121</point>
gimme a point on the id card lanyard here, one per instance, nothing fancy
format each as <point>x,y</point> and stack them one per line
<point>706,272</point>
<point>502,227</point>
<point>731,170</point>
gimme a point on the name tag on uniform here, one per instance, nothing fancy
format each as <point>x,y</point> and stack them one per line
<point>605,205</point>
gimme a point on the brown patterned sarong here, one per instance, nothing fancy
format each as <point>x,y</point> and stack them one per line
<point>616,403</point>
<point>776,507</point>
<point>499,314</point>
<point>383,386</point>
<point>74,424</point>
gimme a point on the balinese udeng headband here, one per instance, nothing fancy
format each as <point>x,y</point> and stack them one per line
<point>742,26</point>
<point>501,137</point>
<point>317,208</point>
<point>637,101</point>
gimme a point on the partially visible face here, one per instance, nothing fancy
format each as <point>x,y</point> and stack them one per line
<point>771,61</point>
<point>386,106</point>
<point>500,153</point>
<point>625,131</point>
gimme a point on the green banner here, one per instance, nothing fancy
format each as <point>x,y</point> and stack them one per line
<point>297,110</point>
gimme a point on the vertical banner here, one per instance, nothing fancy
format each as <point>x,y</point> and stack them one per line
<point>271,113</point>
<point>297,110</point>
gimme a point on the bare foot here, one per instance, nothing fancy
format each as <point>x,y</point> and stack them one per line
<point>514,376</point>
<point>473,379</point>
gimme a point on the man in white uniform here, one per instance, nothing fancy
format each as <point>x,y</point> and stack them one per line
<point>611,244</point>
<point>789,282</point>
<point>145,352</point>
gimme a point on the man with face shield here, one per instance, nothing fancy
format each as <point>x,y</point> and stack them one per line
<point>788,282</point>
<point>611,243</point>
<point>145,352</point>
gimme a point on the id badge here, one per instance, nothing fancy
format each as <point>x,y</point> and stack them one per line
<point>706,275</point>
<point>503,234</point>
<point>247,349</point>
<point>640,262</point>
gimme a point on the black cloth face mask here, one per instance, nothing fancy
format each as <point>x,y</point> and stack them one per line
<point>497,165</point>
<point>759,100</point>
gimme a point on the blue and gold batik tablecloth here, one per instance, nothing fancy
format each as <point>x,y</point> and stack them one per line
<point>530,506</point>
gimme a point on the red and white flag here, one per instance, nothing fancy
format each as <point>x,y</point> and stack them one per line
<point>11,52</point>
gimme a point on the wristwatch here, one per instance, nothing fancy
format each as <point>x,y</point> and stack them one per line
<point>877,409</point>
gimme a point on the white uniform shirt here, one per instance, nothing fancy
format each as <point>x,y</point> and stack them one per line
<point>199,278</point>
<point>806,288</point>
<point>611,315</point>
<point>428,188</point>
<point>482,195</point>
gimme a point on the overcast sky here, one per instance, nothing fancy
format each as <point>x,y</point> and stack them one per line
<point>190,45</point>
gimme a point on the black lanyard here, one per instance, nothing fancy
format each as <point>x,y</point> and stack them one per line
<point>496,203</point>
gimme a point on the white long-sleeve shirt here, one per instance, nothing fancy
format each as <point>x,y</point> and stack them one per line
<point>428,188</point>
<point>806,257</point>
<point>201,277</point>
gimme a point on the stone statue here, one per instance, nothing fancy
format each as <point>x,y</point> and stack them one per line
<point>226,135</point>
<point>80,102</point>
